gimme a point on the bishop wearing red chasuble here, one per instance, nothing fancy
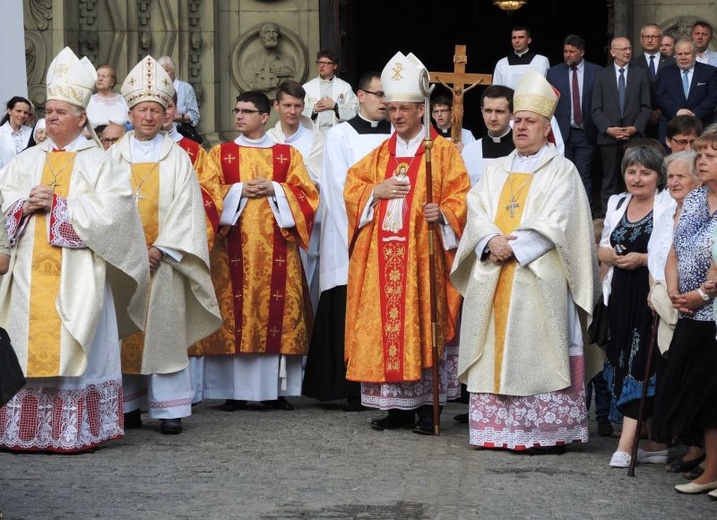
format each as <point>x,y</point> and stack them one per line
<point>388,315</point>
<point>268,215</point>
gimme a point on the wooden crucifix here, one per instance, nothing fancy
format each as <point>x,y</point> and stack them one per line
<point>456,82</point>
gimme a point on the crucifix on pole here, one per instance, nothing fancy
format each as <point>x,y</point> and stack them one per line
<point>456,82</point>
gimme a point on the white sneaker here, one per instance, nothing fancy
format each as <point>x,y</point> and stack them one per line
<point>652,457</point>
<point>620,459</point>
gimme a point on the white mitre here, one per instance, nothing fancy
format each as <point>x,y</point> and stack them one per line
<point>71,79</point>
<point>401,78</point>
<point>147,81</point>
<point>535,94</point>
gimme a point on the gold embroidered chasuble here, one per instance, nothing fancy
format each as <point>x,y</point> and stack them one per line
<point>256,267</point>
<point>182,306</point>
<point>209,178</point>
<point>52,298</point>
<point>388,318</point>
<point>515,330</point>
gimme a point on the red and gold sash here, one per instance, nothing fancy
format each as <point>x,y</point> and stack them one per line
<point>393,266</point>
<point>193,150</point>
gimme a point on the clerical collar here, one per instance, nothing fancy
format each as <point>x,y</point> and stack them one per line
<point>173,134</point>
<point>145,151</point>
<point>521,54</point>
<point>72,147</point>
<point>527,164</point>
<point>499,138</point>
<point>373,123</point>
<point>326,80</point>
<point>408,148</point>
<point>263,142</point>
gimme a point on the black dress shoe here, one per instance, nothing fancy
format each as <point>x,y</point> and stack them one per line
<point>170,426</point>
<point>545,450</point>
<point>461,418</point>
<point>133,420</point>
<point>424,427</point>
<point>353,404</point>
<point>231,405</point>
<point>278,404</point>
<point>395,420</point>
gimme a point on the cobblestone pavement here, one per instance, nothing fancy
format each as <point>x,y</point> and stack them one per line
<point>317,462</point>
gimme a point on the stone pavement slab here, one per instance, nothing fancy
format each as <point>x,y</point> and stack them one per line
<point>317,462</point>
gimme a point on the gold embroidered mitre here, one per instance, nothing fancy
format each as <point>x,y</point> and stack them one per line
<point>148,81</point>
<point>535,94</point>
<point>401,78</point>
<point>71,79</point>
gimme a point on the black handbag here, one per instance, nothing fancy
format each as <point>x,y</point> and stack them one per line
<point>11,377</point>
<point>597,330</point>
<point>190,132</point>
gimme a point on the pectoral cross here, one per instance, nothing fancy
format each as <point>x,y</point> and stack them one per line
<point>512,206</point>
<point>138,195</point>
<point>54,184</point>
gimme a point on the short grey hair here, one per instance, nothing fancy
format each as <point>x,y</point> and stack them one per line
<point>686,156</point>
<point>647,157</point>
<point>168,61</point>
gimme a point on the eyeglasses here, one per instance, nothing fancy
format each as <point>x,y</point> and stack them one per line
<point>109,140</point>
<point>378,93</point>
<point>323,62</point>
<point>681,142</point>
<point>244,111</point>
<point>651,36</point>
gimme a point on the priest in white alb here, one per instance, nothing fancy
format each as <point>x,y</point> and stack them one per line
<point>77,280</point>
<point>527,268</point>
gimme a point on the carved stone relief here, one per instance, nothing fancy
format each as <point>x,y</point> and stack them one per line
<point>266,55</point>
<point>680,26</point>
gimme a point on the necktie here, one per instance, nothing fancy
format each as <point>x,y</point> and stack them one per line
<point>652,67</point>
<point>621,91</point>
<point>685,83</point>
<point>577,111</point>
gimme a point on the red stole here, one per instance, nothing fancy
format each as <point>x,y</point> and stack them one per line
<point>393,266</point>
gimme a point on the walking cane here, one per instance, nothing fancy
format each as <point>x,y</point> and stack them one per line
<point>643,397</point>
<point>426,89</point>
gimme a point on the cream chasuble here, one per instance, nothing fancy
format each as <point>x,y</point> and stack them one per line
<point>515,332</point>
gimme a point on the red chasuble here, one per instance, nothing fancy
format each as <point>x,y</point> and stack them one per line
<point>256,267</point>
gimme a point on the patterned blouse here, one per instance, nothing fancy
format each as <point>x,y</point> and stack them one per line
<point>693,245</point>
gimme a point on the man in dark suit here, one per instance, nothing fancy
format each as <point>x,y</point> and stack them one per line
<point>700,80</point>
<point>621,109</point>
<point>651,60</point>
<point>574,79</point>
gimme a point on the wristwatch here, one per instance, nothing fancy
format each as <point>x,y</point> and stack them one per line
<point>703,294</point>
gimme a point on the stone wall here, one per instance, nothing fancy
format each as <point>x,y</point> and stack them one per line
<point>209,40</point>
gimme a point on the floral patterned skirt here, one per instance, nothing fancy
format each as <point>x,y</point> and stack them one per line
<point>522,422</point>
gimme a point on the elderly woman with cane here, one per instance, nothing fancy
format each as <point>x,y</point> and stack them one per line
<point>629,231</point>
<point>687,398</point>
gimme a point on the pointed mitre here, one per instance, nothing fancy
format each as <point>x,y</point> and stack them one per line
<point>401,78</point>
<point>535,94</point>
<point>71,79</point>
<point>148,81</point>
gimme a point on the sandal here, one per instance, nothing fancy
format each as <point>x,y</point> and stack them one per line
<point>683,466</point>
<point>694,473</point>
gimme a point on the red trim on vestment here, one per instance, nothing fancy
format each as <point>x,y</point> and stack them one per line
<point>393,252</point>
<point>229,156</point>
<point>277,293</point>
